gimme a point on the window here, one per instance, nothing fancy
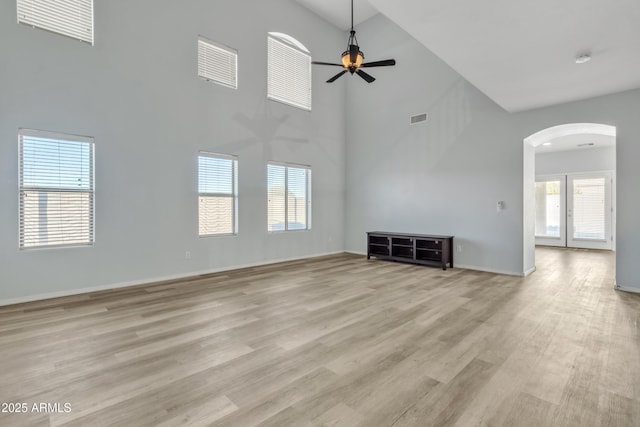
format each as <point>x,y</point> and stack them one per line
<point>289,197</point>
<point>289,71</point>
<point>56,190</point>
<point>217,194</point>
<point>589,208</point>
<point>217,63</point>
<point>72,18</point>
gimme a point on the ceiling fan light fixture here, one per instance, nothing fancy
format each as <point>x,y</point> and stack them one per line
<point>352,60</point>
<point>346,59</point>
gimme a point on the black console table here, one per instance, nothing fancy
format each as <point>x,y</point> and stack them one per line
<point>435,251</point>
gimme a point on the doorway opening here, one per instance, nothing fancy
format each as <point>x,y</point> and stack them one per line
<point>569,189</point>
<point>575,210</point>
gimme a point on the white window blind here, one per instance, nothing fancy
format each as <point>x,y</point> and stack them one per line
<point>72,18</point>
<point>589,208</point>
<point>289,197</point>
<point>217,63</point>
<point>56,190</point>
<point>288,71</point>
<point>217,194</point>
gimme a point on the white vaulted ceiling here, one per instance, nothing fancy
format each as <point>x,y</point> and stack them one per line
<point>338,12</point>
<point>519,53</point>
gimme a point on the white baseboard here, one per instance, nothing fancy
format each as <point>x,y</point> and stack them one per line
<point>631,289</point>
<point>141,282</point>
<point>530,271</point>
<point>470,267</point>
<point>489,270</point>
<point>356,253</point>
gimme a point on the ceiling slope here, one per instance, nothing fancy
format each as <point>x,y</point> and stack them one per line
<point>520,53</point>
<point>338,12</point>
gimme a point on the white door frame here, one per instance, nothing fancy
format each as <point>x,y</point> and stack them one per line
<point>528,179</point>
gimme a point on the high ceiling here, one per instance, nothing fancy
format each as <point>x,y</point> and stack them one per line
<point>338,12</point>
<point>519,53</point>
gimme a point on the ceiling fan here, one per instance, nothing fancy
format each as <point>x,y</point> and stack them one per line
<point>352,59</point>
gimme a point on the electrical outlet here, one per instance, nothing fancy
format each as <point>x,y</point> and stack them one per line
<point>458,248</point>
<point>187,255</point>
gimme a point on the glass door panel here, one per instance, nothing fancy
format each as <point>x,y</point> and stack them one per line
<point>589,211</point>
<point>550,211</point>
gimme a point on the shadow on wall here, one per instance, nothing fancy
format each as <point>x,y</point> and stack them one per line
<point>265,128</point>
<point>427,143</point>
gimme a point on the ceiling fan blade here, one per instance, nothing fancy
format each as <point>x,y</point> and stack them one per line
<point>385,63</point>
<point>334,78</point>
<point>366,76</point>
<point>326,63</point>
<point>353,53</point>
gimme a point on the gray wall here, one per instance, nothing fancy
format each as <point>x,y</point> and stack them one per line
<point>620,110</point>
<point>586,160</point>
<point>442,177</point>
<point>446,176</point>
<point>137,92</point>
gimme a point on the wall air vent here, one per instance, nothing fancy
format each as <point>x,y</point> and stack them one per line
<point>418,118</point>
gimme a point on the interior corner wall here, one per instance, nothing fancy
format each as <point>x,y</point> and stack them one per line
<point>443,176</point>
<point>136,91</point>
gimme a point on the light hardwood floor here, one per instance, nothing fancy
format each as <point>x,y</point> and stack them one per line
<point>335,341</point>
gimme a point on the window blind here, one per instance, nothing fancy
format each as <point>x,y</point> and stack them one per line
<point>72,18</point>
<point>217,194</point>
<point>288,74</point>
<point>288,197</point>
<point>217,63</point>
<point>56,190</point>
<point>589,208</point>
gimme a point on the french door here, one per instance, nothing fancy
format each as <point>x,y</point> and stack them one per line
<point>589,211</point>
<point>551,217</point>
<point>574,210</point>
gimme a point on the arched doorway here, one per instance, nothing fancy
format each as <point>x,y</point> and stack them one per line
<point>571,135</point>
